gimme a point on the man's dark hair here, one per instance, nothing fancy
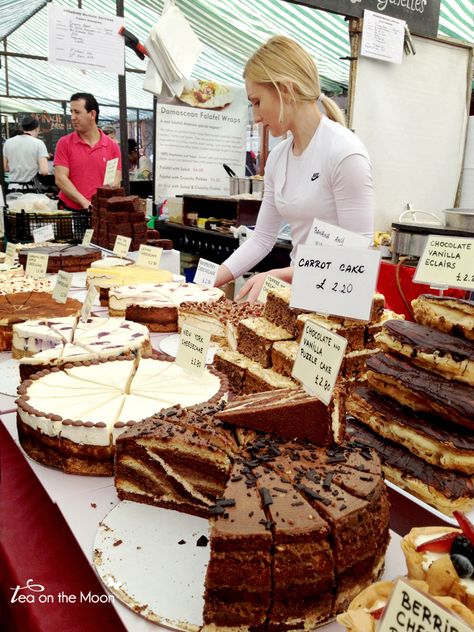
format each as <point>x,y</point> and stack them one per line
<point>29,123</point>
<point>90,102</point>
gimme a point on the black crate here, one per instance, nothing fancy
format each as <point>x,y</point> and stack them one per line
<point>69,227</point>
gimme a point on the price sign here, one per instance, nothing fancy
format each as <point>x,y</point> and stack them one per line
<point>447,261</point>
<point>61,289</point>
<point>36,265</point>
<point>324,234</point>
<point>10,254</point>
<point>271,283</point>
<point>192,349</point>
<point>110,171</point>
<point>206,272</point>
<point>318,360</point>
<point>88,303</point>
<point>411,609</point>
<point>122,245</point>
<point>86,240</point>
<point>149,257</point>
<point>333,280</point>
<point>44,233</point>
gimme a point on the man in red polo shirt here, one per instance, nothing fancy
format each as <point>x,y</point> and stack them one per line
<point>81,158</point>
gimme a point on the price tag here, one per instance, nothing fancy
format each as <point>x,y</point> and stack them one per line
<point>318,360</point>
<point>61,289</point>
<point>86,240</point>
<point>88,303</point>
<point>206,272</point>
<point>122,245</point>
<point>447,261</point>
<point>110,171</point>
<point>324,234</point>
<point>411,609</point>
<point>36,265</point>
<point>149,257</point>
<point>10,255</point>
<point>192,349</point>
<point>335,280</point>
<point>44,233</point>
<point>271,283</point>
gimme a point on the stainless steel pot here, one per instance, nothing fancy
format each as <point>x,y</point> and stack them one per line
<point>461,218</point>
<point>233,185</point>
<point>245,185</point>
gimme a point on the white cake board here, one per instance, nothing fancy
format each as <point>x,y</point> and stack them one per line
<point>139,560</point>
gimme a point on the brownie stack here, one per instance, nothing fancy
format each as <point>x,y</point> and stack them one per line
<point>418,408</point>
<point>114,213</point>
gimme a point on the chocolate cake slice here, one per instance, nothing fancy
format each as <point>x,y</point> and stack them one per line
<point>421,390</point>
<point>174,459</point>
<point>65,257</point>
<point>238,579</point>
<point>445,490</point>
<point>452,315</point>
<point>429,348</point>
<point>303,579</point>
<point>255,337</point>
<point>289,412</point>
<point>424,435</point>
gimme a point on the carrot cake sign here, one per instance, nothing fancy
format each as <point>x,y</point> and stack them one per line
<point>196,133</point>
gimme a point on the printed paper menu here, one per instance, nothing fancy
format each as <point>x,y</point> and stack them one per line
<point>447,261</point>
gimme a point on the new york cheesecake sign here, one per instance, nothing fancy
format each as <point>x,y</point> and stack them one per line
<point>421,16</point>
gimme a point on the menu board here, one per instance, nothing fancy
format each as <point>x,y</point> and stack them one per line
<point>196,133</point>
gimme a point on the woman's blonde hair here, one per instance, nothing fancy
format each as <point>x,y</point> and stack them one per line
<point>281,60</point>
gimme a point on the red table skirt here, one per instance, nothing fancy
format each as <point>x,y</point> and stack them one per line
<point>37,545</point>
<point>395,282</point>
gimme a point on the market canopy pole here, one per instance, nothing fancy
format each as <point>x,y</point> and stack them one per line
<point>123,118</point>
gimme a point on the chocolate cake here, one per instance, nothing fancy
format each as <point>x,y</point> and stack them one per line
<point>21,306</point>
<point>429,348</point>
<point>353,333</point>
<point>283,355</point>
<point>278,310</point>
<point>247,376</point>
<point>424,435</point>
<point>452,315</point>
<point>63,257</point>
<point>444,489</point>
<point>290,413</point>
<point>70,418</point>
<point>296,530</point>
<point>117,214</point>
<point>167,460</point>
<point>255,337</point>
<point>421,390</point>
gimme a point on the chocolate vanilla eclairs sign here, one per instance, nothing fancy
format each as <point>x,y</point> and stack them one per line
<point>421,16</point>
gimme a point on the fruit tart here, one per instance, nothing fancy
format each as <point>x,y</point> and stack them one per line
<point>443,557</point>
<point>365,611</point>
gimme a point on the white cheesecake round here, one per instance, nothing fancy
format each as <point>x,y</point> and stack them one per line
<point>69,419</point>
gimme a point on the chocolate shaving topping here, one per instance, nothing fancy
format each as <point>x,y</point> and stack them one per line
<point>328,480</point>
<point>182,542</point>
<point>202,541</point>
<point>314,495</point>
<point>297,504</point>
<point>266,497</point>
<point>280,489</point>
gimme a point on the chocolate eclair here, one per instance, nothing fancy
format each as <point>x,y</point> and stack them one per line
<point>452,315</point>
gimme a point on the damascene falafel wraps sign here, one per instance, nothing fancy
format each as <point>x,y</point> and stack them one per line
<point>196,133</point>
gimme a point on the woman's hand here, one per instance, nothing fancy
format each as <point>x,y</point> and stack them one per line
<point>252,287</point>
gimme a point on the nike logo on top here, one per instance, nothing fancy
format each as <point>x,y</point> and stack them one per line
<point>315,176</point>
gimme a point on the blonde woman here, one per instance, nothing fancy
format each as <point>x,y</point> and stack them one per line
<point>321,171</point>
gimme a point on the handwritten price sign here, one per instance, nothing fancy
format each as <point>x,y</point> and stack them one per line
<point>206,272</point>
<point>334,280</point>
<point>318,360</point>
<point>192,349</point>
<point>447,261</point>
